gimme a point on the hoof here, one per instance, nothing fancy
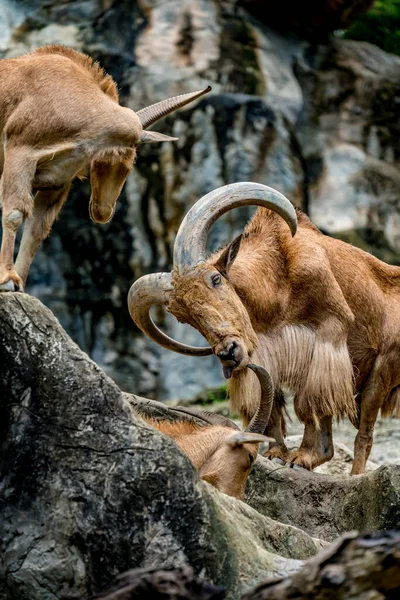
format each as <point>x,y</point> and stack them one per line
<point>263,447</point>
<point>296,467</point>
<point>8,286</point>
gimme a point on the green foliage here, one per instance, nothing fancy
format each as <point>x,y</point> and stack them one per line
<point>211,395</point>
<point>380,26</point>
<point>216,395</point>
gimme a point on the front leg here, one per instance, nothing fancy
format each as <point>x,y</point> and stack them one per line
<point>277,449</point>
<point>316,447</point>
<point>15,191</point>
<point>10,281</point>
<point>277,429</point>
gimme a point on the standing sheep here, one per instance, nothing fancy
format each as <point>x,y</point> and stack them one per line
<point>59,116</point>
<point>322,316</point>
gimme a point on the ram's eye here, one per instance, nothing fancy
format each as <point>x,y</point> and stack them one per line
<point>216,280</point>
<point>251,458</point>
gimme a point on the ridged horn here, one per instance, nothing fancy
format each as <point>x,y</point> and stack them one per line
<point>191,239</point>
<point>154,289</point>
<point>151,114</point>
<point>260,420</point>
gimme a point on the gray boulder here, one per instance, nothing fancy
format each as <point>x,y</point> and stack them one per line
<point>326,506</point>
<point>88,490</point>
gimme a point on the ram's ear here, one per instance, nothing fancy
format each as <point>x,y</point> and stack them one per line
<point>246,437</point>
<point>227,257</point>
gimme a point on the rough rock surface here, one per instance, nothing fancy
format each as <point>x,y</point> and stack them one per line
<point>318,122</point>
<point>326,506</point>
<point>162,584</point>
<point>356,566</point>
<point>351,144</point>
<point>87,490</point>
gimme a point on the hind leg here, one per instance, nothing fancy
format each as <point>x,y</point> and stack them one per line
<point>365,435</point>
<point>375,392</point>
<point>47,205</point>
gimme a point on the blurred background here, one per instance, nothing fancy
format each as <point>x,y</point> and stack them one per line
<point>306,99</point>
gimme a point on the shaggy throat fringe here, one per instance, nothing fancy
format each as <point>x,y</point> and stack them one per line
<point>318,373</point>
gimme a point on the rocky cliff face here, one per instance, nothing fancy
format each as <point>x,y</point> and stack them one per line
<point>317,121</point>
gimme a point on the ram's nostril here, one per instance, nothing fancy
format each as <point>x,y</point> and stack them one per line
<point>229,353</point>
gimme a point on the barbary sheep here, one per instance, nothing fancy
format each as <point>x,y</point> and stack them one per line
<point>220,451</point>
<point>322,316</point>
<point>59,116</point>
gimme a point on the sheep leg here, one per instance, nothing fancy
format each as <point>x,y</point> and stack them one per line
<point>47,205</point>
<point>277,430</point>
<point>316,447</point>
<point>278,448</point>
<point>15,191</point>
<point>376,390</point>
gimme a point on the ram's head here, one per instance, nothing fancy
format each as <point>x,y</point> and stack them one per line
<point>198,291</point>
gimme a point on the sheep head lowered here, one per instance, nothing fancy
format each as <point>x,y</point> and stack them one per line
<point>199,291</point>
<point>220,451</point>
<point>60,118</point>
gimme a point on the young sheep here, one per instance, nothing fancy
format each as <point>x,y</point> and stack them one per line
<point>59,117</point>
<point>222,453</point>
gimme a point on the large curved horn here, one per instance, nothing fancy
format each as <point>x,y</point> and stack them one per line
<point>191,239</point>
<point>154,289</point>
<point>260,420</point>
<point>153,113</point>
